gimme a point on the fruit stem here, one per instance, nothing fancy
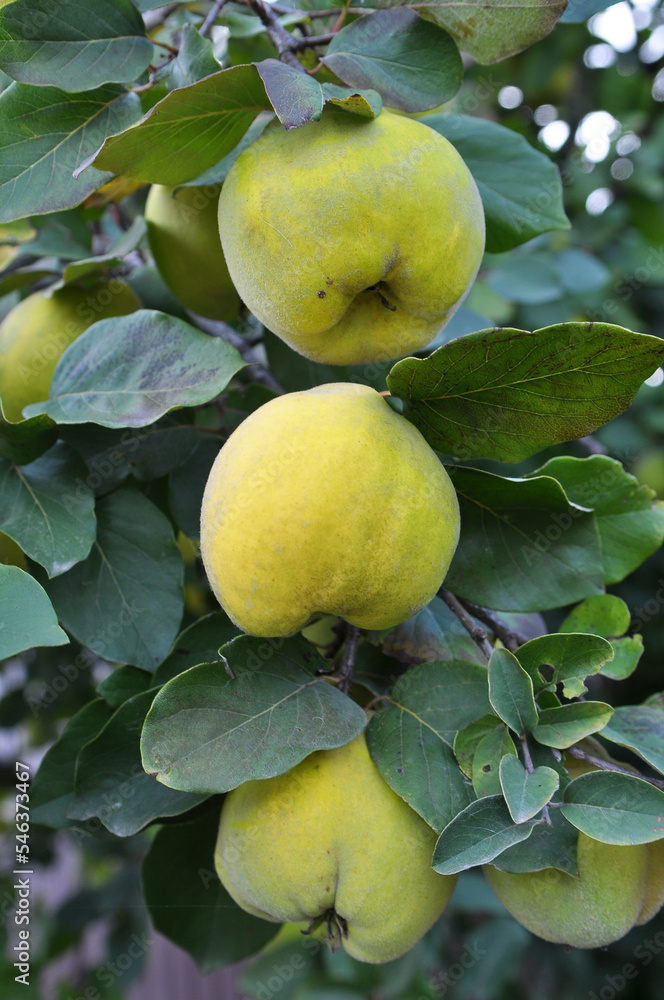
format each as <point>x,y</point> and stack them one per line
<point>348,656</point>
<point>475,631</point>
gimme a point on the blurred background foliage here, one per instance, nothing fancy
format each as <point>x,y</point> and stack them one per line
<point>590,95</point>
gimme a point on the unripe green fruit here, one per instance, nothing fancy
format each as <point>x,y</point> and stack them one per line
<point>353,239</point>
<point>37,332</point>
<point>331,840</point>
<point>326,502</point>
<point>184,240</point>
<point>11,554</point>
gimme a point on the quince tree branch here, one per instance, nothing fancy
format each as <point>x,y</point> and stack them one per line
<point>475,631</point>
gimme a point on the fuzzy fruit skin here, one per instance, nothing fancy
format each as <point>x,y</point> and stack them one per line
<point>35,334</point>
<point>326,502</point>
<point>331,833</point>
<point>184,240</point>
<point>618,887</point>
<point>312,218</point>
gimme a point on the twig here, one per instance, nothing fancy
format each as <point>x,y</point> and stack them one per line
<point>606,765</point>
<point>347,665</point>
<point>475,631</point>
<point>309,41</point>
<point>256,372</point>
<point>510,638</point>
<point>211,18</point>
<point>311,14</point>
<point>283,40</point>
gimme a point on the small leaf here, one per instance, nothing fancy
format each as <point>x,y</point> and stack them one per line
<point>511,692</point>
<point>366,103</point>
<point>53,785</point>
<point>110,780</point>
<point>526,793</point>
<point>25,441</point>
<point>561,727</point>
<point>641,728</point>
<point>188,131</point>
<point>615,808</point>
<point>188,904</point>
<point>477,835</point>
<point>45,510</point>
<point>571,658</point>
<point>194,60</point>
<point>433,634</point>
<point>486,762</point>
<point>83,47</point>
<point>44,133</point>
<point>468,739</point>
<point>132,581</point>
<point>123,684</point>
<point>204,728</point>
<point>413,64</point>
<point>27,617</point>
<point>506,394</point>
<point>296,97</point>
<point>130,370</point>
<point>626,655</point>
<point>520,186</point>
<point>604,614</point>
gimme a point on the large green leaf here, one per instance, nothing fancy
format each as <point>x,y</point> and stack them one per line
<point>511,692</point>
<point>477,835</point>
<point>256,715</point>
<point>47,508</point>
<point>27,617</point>
<point>130,370</point>
<point>189,130</point>
<point>506,394</point>
<point>410,739</point>
<point>629,519</point>
<point>44,134</point>
<point>523,546</point>
<point>570,657</point>
<point>84,46</point>
<point>641,728</point>
<point>187,902</point>
<point>520,186</point>
<point>413,64</point>
<point>110,780</point>
<point>132,582</point>
<point>615,808</point>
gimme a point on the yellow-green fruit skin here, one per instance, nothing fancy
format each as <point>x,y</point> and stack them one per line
<point>326,502</point>
<point>11,554</point>
<point>331,834</point>
<point>35,334</point>
<point>184,240</point>
<point>311,219</point>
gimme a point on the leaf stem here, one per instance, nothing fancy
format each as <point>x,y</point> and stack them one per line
<point>475,631</point>
<point>348,656</point>
<point>606,765</point>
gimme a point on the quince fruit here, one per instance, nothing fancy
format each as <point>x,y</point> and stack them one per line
<point>330,843</point>
<point>184,240</point>
<point>617,888</point>
<point>353,239</point>
<point>326,502</point>
<point>37,332</point>
<point>11,554</point>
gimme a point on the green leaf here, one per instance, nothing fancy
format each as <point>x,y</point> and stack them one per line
<point>45,510</point>
<point>506,394</point>
<point>547,847</point>
<point>187,482</point>
<point>477,835</point>
<point>132,581</point>
<point>615,808</point>
<point>110,780</point>
<point>432,635</point>
<point>53,784</point>
<point>188,904</point>
<point>204,728</point>
<point>626,655</point>
<point>564,726</point>
<point>468,739</point>
<point>511,692</point>
<point>641,728</point>
<point>411,737</point>
<point>491,30</point>
<point>296,97</point>
<point>97,266</point>
<point>194,60</point>
<point>603,614</point>
<point>27,617</point>
<point>520,186</point>
<point>486,761</point>
<point>526,792</point>
<point>413,64</point>
<point>189,130</point>
<point>200,643</point>
<point>25,441</point>
<point>84,46</point>
<point>123,684</point>
<point>523,546</point>
<point>130,370</point>
<point>572,657</point>
<point>44,133</point>
<point>367,103</point>
<point>629,520</point>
